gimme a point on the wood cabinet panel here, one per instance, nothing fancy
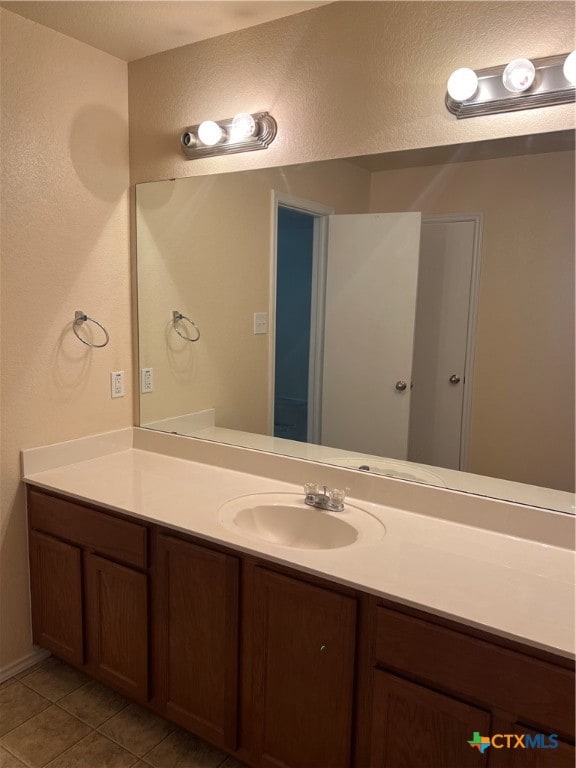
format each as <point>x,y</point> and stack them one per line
<point>563,756</point>
<point>118,539</point>
<point>414,727</point>
<point>528,688</point>
<point>117,625</point>
<point>56,588</point>
<point>303,673</point>
<point>196,599</point>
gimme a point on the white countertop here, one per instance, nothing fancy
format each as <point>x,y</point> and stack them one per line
<point>514,587</point>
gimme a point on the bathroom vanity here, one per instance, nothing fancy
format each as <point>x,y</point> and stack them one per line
<point>287,657</point>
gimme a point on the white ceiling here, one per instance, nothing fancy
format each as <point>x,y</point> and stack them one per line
<point>132,29</point>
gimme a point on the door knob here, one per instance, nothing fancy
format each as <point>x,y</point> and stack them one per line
<point>401,386</point>
<point>454,379</point>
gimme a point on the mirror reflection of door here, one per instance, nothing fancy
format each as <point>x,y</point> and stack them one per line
<point>372,275</point>
<point>444,341</point>
<point>295,252</point>
<point>395,331</point>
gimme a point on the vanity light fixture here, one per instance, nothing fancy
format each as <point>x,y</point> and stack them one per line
<point>243,133</point>
<point>521,84</point>
<point>569,68</point>
<point>462,84</point>
<point>210,133</point>
<point>519,75</point>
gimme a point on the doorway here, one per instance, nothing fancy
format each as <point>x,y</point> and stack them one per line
<point>295,252</point>
<point>298,276</point>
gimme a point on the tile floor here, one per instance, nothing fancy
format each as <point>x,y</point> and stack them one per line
<point>53,716</point>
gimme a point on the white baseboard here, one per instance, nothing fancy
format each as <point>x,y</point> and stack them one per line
<point>38,654</point>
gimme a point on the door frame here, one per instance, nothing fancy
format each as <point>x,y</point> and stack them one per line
<point>478,221</point>
<point>320,213</point>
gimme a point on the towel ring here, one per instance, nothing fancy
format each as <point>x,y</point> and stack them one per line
<point>79,318</point>
<point>176,316</point>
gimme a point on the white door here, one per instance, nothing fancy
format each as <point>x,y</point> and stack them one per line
<point>440,342</point>
<point>371,280</point>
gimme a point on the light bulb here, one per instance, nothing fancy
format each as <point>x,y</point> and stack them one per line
<point>210,133</point>
<point>569,68</point>
<point>462,84</point>
<point>243,127</point>
<point>518,75</point>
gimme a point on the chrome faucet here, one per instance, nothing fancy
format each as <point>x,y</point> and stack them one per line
<point>330,500</point>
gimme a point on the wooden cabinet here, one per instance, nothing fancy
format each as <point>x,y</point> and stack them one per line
<point>563,756</point>
<point>196,627</point>
<point>56,589</point>
<point>87,608</point>
<point>276,667</point>
<point>302,673</point>
<point>415,727</point>
<point>116,600</point>
<point>459,685</point>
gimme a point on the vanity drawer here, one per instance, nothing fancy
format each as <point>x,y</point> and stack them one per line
<point>110,536</point>
<point>532,690</point>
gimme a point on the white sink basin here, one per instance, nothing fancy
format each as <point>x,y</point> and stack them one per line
<point>285,520</point>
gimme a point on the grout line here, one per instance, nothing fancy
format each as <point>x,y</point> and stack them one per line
<point>16,756</point>
<point>31,717</point>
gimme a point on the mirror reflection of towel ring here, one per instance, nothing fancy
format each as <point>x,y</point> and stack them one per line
<point>176,317</point>
<point>80,318</point>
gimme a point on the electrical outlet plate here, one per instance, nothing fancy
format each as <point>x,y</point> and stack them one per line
<point>117,383</point>
<point>146,380</point>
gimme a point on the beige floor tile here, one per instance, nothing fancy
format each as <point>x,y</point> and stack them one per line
<point>7,760</point>
<point>93,703</point>
<point>54,680</point>
<point>183,750</point>
<point>9,682</point>
<point>45,736</point>
<point>136,729</point>
<point>18,704</point>
<point>94,751</point>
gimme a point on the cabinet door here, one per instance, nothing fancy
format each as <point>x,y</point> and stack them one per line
<point>56,587</point>
<point>303,647</point>
<point>117,626</point>
<point>415,727</point>
<point>563,756</point>
<point>196,625</point>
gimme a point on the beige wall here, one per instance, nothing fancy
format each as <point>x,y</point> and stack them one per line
<point>204,249</point>
<point>345,79</point>
<point>522,425</point>
<point>64,247</point>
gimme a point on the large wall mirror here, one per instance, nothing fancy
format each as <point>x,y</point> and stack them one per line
<point>409,314</point>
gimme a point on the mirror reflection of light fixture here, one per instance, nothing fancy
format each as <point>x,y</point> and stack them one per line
<point>243,133</point>
<point>521,84</point>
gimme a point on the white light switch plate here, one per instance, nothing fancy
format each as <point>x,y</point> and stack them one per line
<point>260,322</point>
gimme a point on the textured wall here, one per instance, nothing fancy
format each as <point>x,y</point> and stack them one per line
<point>64,247</point>
<point>204,249</point>
<point>345,79</point>
<point>522,425</point>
